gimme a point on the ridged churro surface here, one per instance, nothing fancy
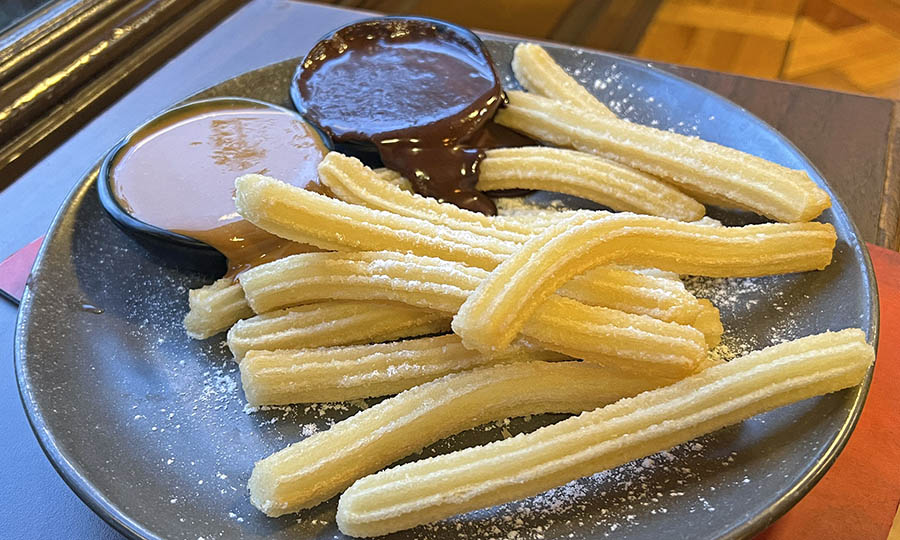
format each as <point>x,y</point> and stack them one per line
<point>494,314</point>
<point>425,282</point>
<point>709,172</point>
<point>537,72</point>
<point>331,323</point>
<point>293,213</point>
<point>327,374</point>
<point>319,467</point>
<point>661,297</point>
<point>433,489</point>
<point>634,344</point>
<point>587,176</point>
<point>214,308</point>
<point>353,182</point>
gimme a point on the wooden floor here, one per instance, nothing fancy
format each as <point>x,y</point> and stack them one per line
<point>850,45</point>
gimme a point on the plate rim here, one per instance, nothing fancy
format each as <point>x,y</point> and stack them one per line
<point>71,475</point>
<point>121,522</point>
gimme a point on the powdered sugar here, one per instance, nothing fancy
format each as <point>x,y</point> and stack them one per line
<point>632,496</point>
<point>518,206</point>
<point>755,312</point>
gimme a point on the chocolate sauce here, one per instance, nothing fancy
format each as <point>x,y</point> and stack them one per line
<point>177,173</point>
<point>420,91</point>
<point>496,136</point>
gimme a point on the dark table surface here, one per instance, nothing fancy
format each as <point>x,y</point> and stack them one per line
<point>850,138</point>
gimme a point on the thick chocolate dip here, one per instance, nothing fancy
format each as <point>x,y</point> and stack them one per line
<point>420,91</point>
<point>177,173</point>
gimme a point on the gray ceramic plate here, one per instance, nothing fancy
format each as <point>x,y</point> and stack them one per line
<point>149,427</point>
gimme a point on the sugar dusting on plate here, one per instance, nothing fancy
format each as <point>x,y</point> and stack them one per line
<point>636,492</point>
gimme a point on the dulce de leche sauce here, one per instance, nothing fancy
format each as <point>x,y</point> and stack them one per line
<point>421,91</point>
<point>177,173</point>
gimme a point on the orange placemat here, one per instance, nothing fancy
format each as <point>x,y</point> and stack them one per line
<point>14,270</point>
<point>858,497</point>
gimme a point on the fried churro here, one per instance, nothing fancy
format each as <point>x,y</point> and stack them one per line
<point>709,172</point>
<point>295,213</point>
<point>313,375</point>
<point>587,176</point>
<point>329,323</point>
<point>444,286</point>
<point>214,308</point>
<point>317,468</point>
<point>663,298</point>
<point>494,314</point>
<point>424,282</point>
<point>652,292</point>
<point>616,339</point>
<point>537,72</point>
<point>433,489</point>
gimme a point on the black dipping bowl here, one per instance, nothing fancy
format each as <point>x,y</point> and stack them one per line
<point>174,249</point>
<point>364,150</point>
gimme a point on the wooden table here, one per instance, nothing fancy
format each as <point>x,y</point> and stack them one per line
<point>851,139</point>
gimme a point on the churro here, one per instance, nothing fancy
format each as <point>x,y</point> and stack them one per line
<point>317,468</point>
<point>587,176</point>
<point>424,282</point>
<point>332,323</point>
<point>707,171</point>
<point>537,72</point>
<point>217,307</point>
<point>433,489</point>
<point>312,375</point>
<point>536,218</point>
<point>295,213</point>
<point>214,308</point>
<point>444,286</point>
<point>661,297</point>
<point>616,339</point>
<point>494,314</point>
